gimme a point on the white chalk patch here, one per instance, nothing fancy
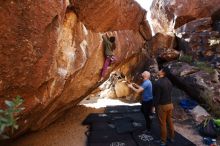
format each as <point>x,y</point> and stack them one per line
<point>180,6</point>
<point>214,42</point>
<point>83,46</point>
<point>70,55</point>
<point>173,3</point>
<point>179,35</point>
<point>62,72</point>
<point>187,39</point>
<point>67,2</point>
<point>85,30</point>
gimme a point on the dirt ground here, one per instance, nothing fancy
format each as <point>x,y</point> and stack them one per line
<point>68,130</point>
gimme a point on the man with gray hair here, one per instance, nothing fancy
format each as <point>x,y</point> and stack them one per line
<point>147,96</point>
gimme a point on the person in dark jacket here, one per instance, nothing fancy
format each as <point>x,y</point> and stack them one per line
<point>164,106</point>
<point>109,47</point>
<point>147,96</point>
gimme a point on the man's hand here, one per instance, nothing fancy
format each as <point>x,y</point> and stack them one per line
<point>130,85</point>
<point>127,82</point>
<point>135,85</point>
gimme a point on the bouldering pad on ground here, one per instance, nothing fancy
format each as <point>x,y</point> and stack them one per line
<point>124,133</point>
<point>96,117</point>
<point>115,143</point>
<point>102,126</point>
<point>107,136</point>
<point>124,125</point>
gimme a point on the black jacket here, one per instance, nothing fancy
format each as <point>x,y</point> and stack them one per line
<point>162,91</point>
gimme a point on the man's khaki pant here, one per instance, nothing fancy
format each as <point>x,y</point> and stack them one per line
<point>165,113</point>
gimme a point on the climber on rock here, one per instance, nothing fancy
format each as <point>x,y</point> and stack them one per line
<point>147,97</point>
<point>109,47</point>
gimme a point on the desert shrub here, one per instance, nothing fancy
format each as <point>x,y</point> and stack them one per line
<point>186,58</point>
<point>204,66</point>
<point>8,118</point>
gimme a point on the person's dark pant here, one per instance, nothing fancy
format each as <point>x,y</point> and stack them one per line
<point>146,108</point>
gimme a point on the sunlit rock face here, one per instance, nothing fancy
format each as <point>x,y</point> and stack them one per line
<point>162,47</point>
<point>52,55</point>
<point>108,16</point>
<point>171,14</point>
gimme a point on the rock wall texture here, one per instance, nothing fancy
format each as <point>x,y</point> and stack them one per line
<point>162,46</point>
<point>200,44</point>
<point>201,85</point>
<point>168,15</point>
<point>196,27</point>
<point>110,17</point>
<point>195,38</point>
<point>51,52</point>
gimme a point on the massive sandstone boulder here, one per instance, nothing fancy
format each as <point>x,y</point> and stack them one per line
<point>162,47</point>
<point>198,83</point>
<point>110,17</point>
<point>168,15</point>
<point>51,52</point>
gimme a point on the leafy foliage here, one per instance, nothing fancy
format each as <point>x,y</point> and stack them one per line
<point>186,58</point>
<point>8,119</point>
<point>204,66</point>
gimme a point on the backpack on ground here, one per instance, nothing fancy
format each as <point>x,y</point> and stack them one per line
<point>208,128</point>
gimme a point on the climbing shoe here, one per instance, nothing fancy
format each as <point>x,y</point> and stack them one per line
<point>170,140</point>
<point>162,143</point>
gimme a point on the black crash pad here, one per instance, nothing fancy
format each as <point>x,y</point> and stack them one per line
<point>107,136</point>
<point>127,129</point>
<point>96,117</point>
<point>103,126</point>
<point>101,117</point>
<point>115,143</point>
<point>135,116</point>
<point>143,138</point>
<point>123,125</point>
